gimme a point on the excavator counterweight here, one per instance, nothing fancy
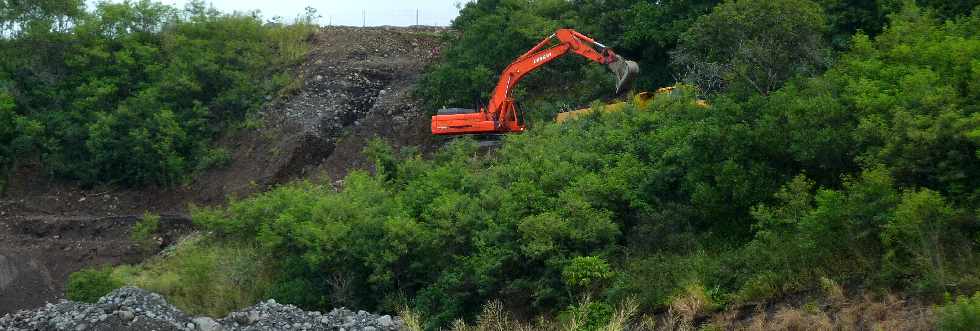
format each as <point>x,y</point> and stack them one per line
<point>501,114</point>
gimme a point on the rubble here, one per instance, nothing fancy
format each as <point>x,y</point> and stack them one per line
<point>131,308</point>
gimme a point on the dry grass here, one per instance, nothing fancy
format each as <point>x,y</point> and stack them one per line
<point>412,320</point>
<point>833,291</point>
<point>622,317</point>
<point>888,313</point>
<point>495,317</point>
<point>691,310</point>
<point>203,277</point>
<point>674,321</point>
<point>692,303</point>
<point>866,312</point>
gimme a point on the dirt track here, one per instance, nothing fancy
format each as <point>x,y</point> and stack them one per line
<point>356,86</point>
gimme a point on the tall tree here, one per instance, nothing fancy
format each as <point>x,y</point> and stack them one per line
<point>754,45</point>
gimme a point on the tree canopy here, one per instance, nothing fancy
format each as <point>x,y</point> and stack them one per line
<point>133,92</point>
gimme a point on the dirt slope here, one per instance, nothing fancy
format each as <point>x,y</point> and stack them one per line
<point>356,85</point>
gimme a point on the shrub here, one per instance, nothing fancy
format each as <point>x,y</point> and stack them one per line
<point>205,276</point>
<point>91,284</point>
<point>18,135</point>
<point>692,302</point>
<point>144,230</point>
<point>212,158</point>
<point>134,92</point>
<point>749,45</point>
<point>960,315</point>
<point>589,316</point>
<point>916,241</point>
<point>587,274</point>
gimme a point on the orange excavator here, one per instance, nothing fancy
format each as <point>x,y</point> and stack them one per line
<point>501,114</point>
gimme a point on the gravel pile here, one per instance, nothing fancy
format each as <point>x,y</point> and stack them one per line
<point>357,85</point>
<point>131,308</point>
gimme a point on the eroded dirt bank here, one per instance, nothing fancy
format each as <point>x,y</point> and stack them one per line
<point>356,85</point>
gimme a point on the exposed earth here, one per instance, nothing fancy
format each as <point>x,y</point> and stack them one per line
<point>356,85</point>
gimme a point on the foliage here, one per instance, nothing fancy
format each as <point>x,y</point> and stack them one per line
<point>590,316</point>
<point>144,230</point>
<point>91,284</point>
<point>134,92</point>
<point>18,135</point>
<point>203,277</point>
<point>652,32</point>
<point>214,158</point>
<point>860,176</point>
<point>587,272</point>
<point>739,37</point>
<point>494,32</point>
<point>867,231</point>
<point>918,238</point>
<point>750,45</point>
<point>961,314</point>
<point>681,205</point>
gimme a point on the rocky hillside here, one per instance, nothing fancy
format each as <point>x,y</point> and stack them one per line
<point>135,309</point>
<point>356,85</point>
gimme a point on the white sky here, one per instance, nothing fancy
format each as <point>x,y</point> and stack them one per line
<point>344,12</point>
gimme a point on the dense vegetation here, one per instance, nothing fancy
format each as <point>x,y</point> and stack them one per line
<point>840,147</point>
<point>665,37</point>
<point>133,92</point>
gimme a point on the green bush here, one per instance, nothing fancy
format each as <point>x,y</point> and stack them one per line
<point>144,230</point>
<point>134,92</point>
<point>750,46</point>
<point>587,273</point>
<point>960,315</point>
<point>590,316</point>
<point>204,276</point>
<point>214,157</point>
<point>91,284</point>
<point>917,239</point>
<point>18,135</point>
<point>864,175</point>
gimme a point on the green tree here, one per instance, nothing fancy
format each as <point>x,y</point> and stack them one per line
<point>754,45</point>
<point>18,134</point>
<point>133,92</point>
<point>39,16</point>
<point>653,30</point>
<point>918,239</point>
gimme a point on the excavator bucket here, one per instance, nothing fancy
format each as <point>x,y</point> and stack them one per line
<point>625,71</point>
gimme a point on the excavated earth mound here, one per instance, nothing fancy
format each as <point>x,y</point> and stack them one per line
<point>131,308</point>
<point>355,85</point>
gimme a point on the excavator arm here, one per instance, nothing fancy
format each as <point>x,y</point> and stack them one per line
<point>500,115</point>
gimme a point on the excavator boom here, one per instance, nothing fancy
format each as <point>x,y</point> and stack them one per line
<point>501,115</point>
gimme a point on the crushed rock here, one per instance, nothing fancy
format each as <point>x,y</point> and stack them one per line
<point>131,308</point>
